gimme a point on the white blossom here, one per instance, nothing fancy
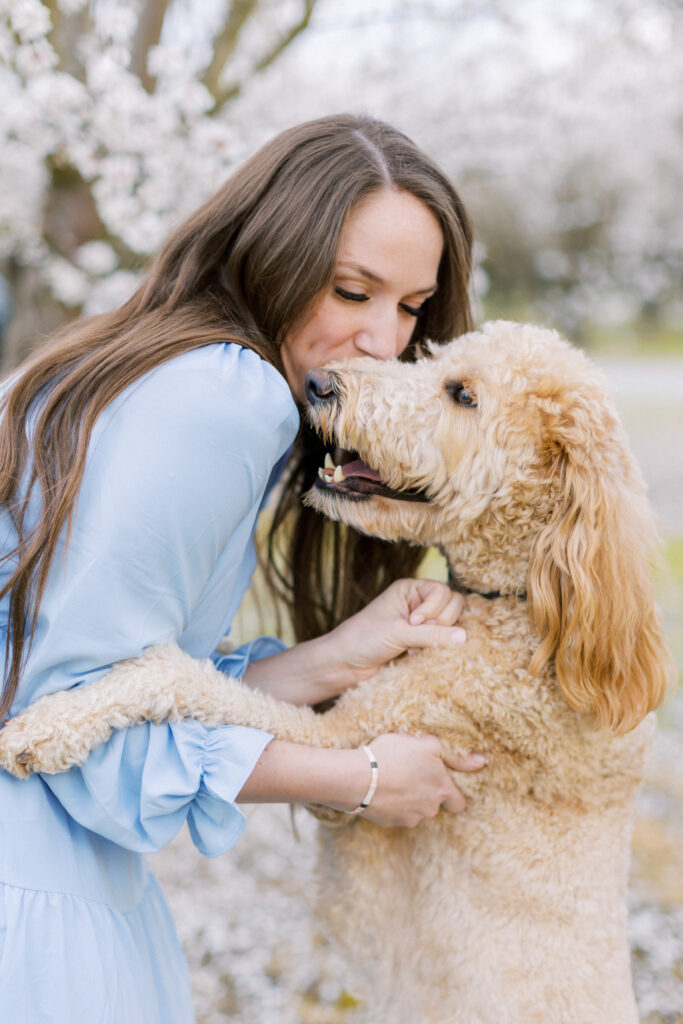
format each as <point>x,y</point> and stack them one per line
<point>96,258</point>
<point>69,284</point>
<point>116,21</point>
<point>30,19</point>
<point>35,57</point>
<point>110,292</point>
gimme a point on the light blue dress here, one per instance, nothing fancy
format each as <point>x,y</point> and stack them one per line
<point>161,550</point>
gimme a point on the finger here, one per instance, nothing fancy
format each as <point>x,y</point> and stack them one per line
<point>433,636</point>
<point>451,611</point>
<point>455,802</point>
<point>464,762</point>
<point>431,744</point>
<point>443,606</point>
<point>432,598</point>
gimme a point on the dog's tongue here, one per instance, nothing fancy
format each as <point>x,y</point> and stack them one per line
<point>358,468</point>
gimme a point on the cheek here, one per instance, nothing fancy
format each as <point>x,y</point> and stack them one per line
<point>331,336</point>
<point>458,438</point>
<point>405,334</point>
<point>310,344</point>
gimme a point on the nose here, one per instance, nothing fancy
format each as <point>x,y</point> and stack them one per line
<point>382,339</point>
<point>319,386</point>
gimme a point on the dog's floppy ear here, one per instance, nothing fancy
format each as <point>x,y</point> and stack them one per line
<point>591,594</point>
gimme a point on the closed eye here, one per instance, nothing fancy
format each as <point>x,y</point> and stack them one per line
<point>412,310</point>
<point>351,296</point>
<point>362,297</point>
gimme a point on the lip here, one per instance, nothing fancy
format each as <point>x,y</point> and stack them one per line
<point>346,474</point>
<point>360,488</point>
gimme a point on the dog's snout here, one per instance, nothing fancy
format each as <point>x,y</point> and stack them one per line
<point>319,386</point>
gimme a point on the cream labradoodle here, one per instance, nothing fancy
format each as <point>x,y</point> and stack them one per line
<point>503,450</point>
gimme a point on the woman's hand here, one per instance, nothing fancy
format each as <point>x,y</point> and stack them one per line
<point>409,614</point>
<point>413,781</point>
<point>413,778</point>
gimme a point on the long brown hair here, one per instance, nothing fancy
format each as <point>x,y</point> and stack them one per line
<point>245,267</point>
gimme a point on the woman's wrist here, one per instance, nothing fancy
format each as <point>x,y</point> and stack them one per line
<point>305,674</point>
<point>292,773</point>
<point>332,673</point>
<point>374,779</point>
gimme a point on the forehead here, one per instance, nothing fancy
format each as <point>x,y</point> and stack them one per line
<point>392,231</point>
<point>520,358</point>
<point>498,362</point>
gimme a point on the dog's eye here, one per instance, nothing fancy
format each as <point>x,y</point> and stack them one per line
<point>461,394</point>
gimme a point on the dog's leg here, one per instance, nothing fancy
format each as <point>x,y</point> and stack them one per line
<point>165,685</point>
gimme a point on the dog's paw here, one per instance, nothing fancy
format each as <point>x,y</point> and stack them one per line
<point>43,737</point>
<point>16,754</point>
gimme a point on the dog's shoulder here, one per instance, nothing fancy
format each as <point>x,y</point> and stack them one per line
<point>481,695</point>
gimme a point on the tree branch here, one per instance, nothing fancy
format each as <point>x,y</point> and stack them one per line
<point>225,42</point>
<point>229,92</point>
<point>288,38</point>
<point>147,35</point>
<point>64,36</point>
<point>71,217</point>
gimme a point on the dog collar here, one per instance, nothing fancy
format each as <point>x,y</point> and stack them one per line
<point>490,595</point>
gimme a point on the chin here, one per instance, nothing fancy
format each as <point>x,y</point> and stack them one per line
<point>386,518</point>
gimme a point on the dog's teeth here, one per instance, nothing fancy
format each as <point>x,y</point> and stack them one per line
<point>338,476</point>
<point>329,461</point>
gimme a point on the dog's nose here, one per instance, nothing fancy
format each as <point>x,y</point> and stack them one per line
<point>319,386</point>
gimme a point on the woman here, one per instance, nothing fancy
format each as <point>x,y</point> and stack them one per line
<point>136,452</point>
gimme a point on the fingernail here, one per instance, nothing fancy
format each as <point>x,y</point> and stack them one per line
<point>416,619</point>
<point>479,760</point>
<point>458,636</point>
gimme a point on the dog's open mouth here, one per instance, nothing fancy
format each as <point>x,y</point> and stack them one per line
<point>353,478</point>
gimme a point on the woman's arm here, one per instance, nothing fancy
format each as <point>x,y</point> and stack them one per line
<point>413,781</point>
<point>408,614</point>
<point>292,773</point>
<point>167,685</point>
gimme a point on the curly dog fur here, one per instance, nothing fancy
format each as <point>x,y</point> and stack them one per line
<point>513,912</point>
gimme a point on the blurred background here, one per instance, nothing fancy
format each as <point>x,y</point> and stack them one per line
<point>561,125</point>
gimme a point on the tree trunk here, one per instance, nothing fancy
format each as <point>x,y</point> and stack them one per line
<point>70,219</point>
<point>35,314</point>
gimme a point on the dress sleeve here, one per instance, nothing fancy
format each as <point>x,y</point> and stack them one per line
<point>175,476</point>
<point>236,662</point>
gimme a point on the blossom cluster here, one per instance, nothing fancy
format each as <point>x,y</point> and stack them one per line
<point>560,125</point>
<point>149,158</point>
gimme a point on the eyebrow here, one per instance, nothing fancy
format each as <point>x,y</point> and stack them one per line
<point>377,279</point>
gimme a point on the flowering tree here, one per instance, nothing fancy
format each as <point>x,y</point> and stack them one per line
<point>561,124</point>
<point>570,147</point>
<point>112,130</point>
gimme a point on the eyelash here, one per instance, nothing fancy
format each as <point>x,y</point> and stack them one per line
<point>359,297</point>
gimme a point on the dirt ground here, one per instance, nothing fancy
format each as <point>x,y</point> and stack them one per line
<point>245,918</point>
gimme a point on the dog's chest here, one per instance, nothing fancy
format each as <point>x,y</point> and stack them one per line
<point>481,696</point>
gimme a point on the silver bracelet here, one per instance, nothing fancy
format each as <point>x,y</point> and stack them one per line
<point>373,782</point>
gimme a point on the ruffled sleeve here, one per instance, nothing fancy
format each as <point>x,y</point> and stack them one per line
<point>176,473</point>
<point>235,664</point>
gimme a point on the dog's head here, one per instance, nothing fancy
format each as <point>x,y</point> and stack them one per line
<point>503,449</point>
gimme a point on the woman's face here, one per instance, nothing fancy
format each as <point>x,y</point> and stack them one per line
<point>386,268</point>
